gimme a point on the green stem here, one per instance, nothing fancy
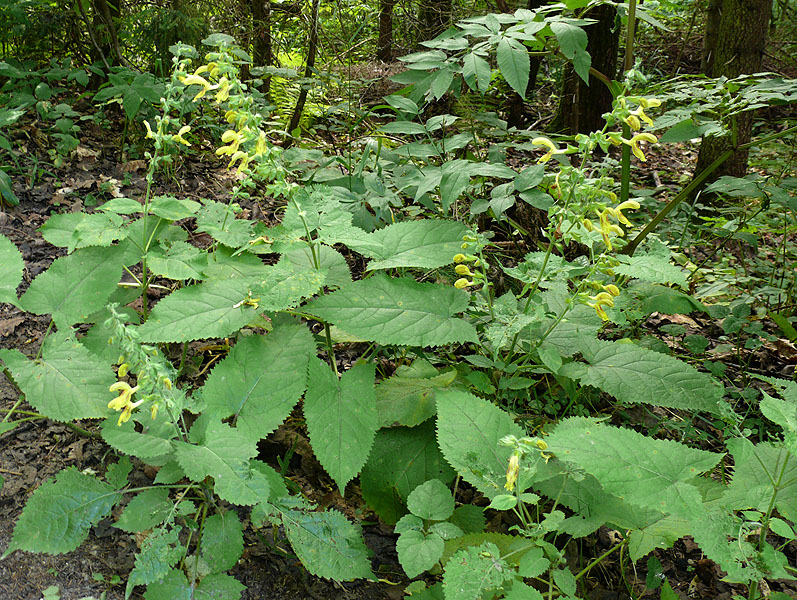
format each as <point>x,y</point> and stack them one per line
<point>686,192</point>
<point>598,559</point>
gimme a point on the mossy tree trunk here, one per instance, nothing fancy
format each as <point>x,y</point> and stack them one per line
<point>739,48</point>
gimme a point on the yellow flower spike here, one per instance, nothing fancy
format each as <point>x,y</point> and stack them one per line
<point>458,258</point>
<point>462,283</point>
<point>462,270</point>
<point>633,122</point>
<point>512,471</point>
<point>640,112</point>
<point>618,211</point>
<point>612,289</point>
<point>122,401</point>
<point>616,229</point>
<point>634,143</point>
<point>465,245</point>
<point>614,138</point>
<point>179,137</point>
<point>224,90</point>
<point>197,80</point>
<point>150,133</point>
<point>230,116</point>
<point>202,69</point>
<point>123,369</point>
<point>541,444</point>
<point>649,102</point>
<point>261,147</point>
<point>552,148</point>
<point>239,155</point>
<point>153,410</point>
<point>588,225</point>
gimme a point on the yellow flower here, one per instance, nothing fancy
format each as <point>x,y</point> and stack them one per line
<point>233,139</point>
<point>612,289</point>
<point>618,211</point>
<point>512,471</point>
<point>243,157</point>
<point>649,102</point>
<point>462,283</point>
<point>197,80</point>
<point>462,270</point>
<point>122,401</point>
<point>633,122</point>
<point>153,410</point>
<point>634,143</point>
<point>224,90</point>
<point>599,301</point>
<point>458,258</point>
<point>179,137</point>
<point>552,148</point>
<point>150,133</point>
<point>123,369</point>
<point>262,145</point>
<point>588,225</point>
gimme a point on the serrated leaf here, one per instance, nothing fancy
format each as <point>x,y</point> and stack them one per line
<point>641,470</point>
<point>261,379</point>
<point>341,418</point>
<point>407,398</point>
<point>638,375</point>
<point>66,383</point>
<point>652,268</point>
<point>513,60</point>
<point>432,500</point>
<point>533,563</point>
<point>117,473</point>
<point>219,586</point>
<point>474,572</point>
<point>204,310</point>
<point>75,286</point>
<point>181,261</point>
<point>159,552</point>
<point>58,515</point>
<point>469,518</point>
<point>418,552</point>
<point>173,209</point>
<point>80,230</point>
<point>397,311</point>
<point>224,456</point>
<point>11,273</point>
<point>146,510</point>
<point>401,459</point>
<point>330,260</point>
<point>468,431</point>
<point>218,220</point>
<point>222,541</point>
<point>151,442</point>
<point>328,544</point>
<point>426,244</point>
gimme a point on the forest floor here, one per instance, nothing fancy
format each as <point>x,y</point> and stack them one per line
<point>36,450</point>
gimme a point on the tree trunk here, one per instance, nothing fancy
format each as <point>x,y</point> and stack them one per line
<point>384,47</point>
<point>308,70</point>
<point>261,33</point>
<point>713,13</point>
<point>581,106</point>
<point>739,49</point>
<point>516,107</point>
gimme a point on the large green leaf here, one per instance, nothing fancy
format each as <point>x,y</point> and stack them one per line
<point>328,544</point>
<point>159,552</point>
<point>476,72</point>
<point>513,60</point>
<point>407,398</point>
<point>224,455</point>
<point>180,261</point>
<point>426,244</point>
<point>66,383</point>
<point>60,512</point>
<point>75,286</point>
<point>146,510</point>
<point>261,379</point>
<point>153,441</point>
<point>222,541</point>
<point>397,311</point>
<point>301,259</point>
<point>341,418</point>
<point>402,459</point>
<point>469,430</point>
<point>638,375</point>
<point>11,270</point>
<point>641,470</point>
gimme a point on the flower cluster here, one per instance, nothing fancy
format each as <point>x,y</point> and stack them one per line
<point>468,240</point>
<point>522,446</point>
<point>607,228</point>
<point>123,401</point>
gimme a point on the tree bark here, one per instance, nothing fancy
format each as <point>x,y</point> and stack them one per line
<point>581,106</point>
<point>384,47</point>
<point>308,70</point>
<point>261,33</point>
<point>435,17</point>
<point>739,49</point>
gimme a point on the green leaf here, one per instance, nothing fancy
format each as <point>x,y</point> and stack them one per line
<point>146,510</point>
<point>173,586</point>
<point>513,60</point>
<point>328,544</point>
<point>159,552</point>
<point>205,310</point>
<point>331,261</point>
<point>469,518</point>
<point>454,181</point>
<point>432,500</point>
<point>468,430</point>
<point>418,552</point>
<point>571,38</point>
<point>75,286</point>
<point>219,586</point>
<point>407,398</point>
<point>173,209</point>
<point>261,379</point>
<point>475,572</point>
<point>341,418</point>
<point>652,268</point>
<point>684,131</point>
<point>218,220</point>
<point>476,72</point>
<point>58,515</point>
<point>397,311</point>
<point>224,456</point>
<point>181,261</point>
<point>426,244</point>
<point>641,470</point>
<point>152,442</point>
<point>403,127</point>
<point>117,473</point>
<point>565,581</point>
<point>222,541</point>
<point>533,563</point>
<point>402,458</point>
<point>638,375</point>
<point>66,383</point>
<point>11,273</point>
<point>6,188</point>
